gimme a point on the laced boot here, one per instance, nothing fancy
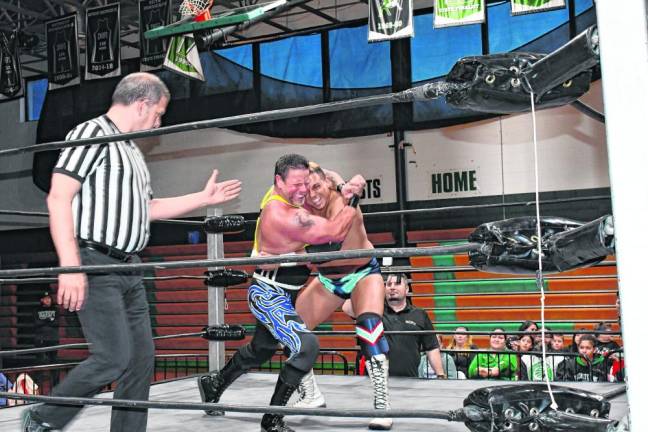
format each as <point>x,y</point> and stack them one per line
<point>213,384</point>
<point>378,370</point>
<point>280,397</point>
<point>309,393</point>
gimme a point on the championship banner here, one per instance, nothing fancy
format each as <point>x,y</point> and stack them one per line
<point>182,57</point>
<point>519,7</point>
<point>62,52</point>
<point>103,48</point>
<point>11,84</point>
<point>152,14</point>
<point>458,12</point>
<point>390,19</point>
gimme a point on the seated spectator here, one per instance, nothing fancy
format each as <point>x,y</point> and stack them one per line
<point>449,367</point>
<point>604,342</point>
<point>539,340</point>
<point>462,342</point>
<point>557,347</point>
<point>576,339</point>
<point>498,364</point>
<point>588,366</point>
<point>531,327</point>
<point>531,366</point>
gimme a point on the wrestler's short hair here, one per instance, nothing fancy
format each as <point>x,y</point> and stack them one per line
<point>140,86</point>
<point>289,161</point>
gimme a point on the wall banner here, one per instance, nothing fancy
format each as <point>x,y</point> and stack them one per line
<point>390,19</point>
<point>62,52</point>
<point>103,46</point>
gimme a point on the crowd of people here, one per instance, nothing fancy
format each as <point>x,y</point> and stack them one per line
<point>593,355</point>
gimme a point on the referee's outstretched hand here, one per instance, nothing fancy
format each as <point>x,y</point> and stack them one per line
<point>71,291</point>
<point>218,193</point>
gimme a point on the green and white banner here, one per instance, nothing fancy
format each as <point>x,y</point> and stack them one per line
<point>519,7</point>
<point>390,19</point>
<point>182,57</point>
<point>458,12</point>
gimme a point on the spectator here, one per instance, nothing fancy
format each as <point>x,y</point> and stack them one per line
<point>531,368</point>
<point>46,331</point>
<point>498,364</point>
<point>588,366</point>
<point>557,347</point>
<point>576,339</point>
<point>529,326</point>
<point>446,360</point>
<point>604,342</point>
<point>462,342</point>
<point>401,315</point>
<point>539,340</point>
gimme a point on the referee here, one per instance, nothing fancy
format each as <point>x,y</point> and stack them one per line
<point>100,205</point>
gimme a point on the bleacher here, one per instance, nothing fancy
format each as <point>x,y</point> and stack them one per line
<point>452,293</point>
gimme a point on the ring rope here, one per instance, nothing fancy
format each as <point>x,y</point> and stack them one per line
<point>383,270</point>
<point>84,345</point>
<point>539,274</point>
<point>453,415</point>
<point>423,92</point>
<point>258,260</point>
<point>372,214</point>
<point>9,353</point>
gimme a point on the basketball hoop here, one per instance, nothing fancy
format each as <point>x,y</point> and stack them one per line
<point>199,9</point>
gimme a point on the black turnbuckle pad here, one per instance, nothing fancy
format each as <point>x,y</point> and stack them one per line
<point>224,224</point>
<point>224,332</point>
<point>512,245</point>
<point>225,277</point>
<point>517,408</point>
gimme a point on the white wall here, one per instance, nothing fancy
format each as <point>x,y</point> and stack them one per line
<point>572,155</point>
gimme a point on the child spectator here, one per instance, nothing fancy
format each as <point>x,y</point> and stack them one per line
<point>588,366</point>
<point>557,347</point>
<point>531,366</point>
<point>576,339</point>
<point>604,342</point>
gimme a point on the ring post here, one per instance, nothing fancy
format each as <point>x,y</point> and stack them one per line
<point>624,67</point>
<point>215,296</point>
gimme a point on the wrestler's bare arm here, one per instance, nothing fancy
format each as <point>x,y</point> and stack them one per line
<point>297,224</point>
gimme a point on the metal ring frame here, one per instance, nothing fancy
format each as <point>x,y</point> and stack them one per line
<point>426,91</point>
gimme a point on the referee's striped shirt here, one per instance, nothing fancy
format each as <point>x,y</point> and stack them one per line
<point>112,206</point>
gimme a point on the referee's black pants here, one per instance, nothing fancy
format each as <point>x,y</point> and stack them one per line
<point>115,320</point>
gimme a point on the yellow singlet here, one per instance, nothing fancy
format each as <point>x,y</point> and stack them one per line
<point>268,197</point>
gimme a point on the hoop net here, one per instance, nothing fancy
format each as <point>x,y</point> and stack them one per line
<point>199,9</point>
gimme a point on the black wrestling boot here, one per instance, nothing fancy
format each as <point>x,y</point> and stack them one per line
<point>280,397</point>
<point>213,384</point>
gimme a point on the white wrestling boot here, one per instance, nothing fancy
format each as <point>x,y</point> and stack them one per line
<point>378,370</point>
<point>309,394</point>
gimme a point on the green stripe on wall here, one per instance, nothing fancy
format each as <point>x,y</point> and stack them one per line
<point>486,286</point>
<point>476,326</point>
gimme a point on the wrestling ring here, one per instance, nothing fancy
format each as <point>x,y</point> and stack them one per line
<point>530,246</point>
